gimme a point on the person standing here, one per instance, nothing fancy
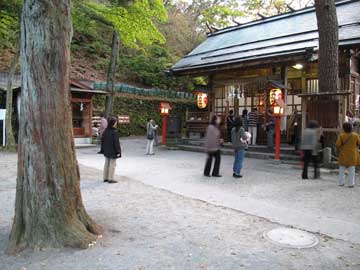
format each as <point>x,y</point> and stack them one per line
<point>150,136</point>
<point>270,130</point>
<point>239,143</point>
<point>229,124</point>
<point>111,150</point>
<point>348,144</point>
<point>252,123</point>
<point>309,145</point>
<point>103,125</point>
<point>349,117</point>
<point>244,118</point>
<point>212,147</point>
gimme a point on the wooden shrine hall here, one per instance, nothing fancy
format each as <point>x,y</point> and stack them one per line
<point>82,94</point>
<point>244,63</point>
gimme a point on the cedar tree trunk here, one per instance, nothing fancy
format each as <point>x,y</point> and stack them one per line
<point>48,210</point>
<point>328,45</point>
<point>10,140</point>
<point>110,85</point>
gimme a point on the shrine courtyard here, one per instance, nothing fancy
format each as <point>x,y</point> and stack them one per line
<point>163,214</point>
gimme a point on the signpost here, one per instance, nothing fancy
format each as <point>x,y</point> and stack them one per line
<point>124,119</point>
<point>2,118</point>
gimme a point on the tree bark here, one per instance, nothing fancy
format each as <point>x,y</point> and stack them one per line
<point>111,76</point>
<point>328,45</point>
<point>48,210</point>
<point>10,140</point>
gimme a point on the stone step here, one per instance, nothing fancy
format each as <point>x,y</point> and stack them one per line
<point>288,159</point>
<point>284,149</point>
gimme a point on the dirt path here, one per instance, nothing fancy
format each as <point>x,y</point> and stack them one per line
<point>148,228</point>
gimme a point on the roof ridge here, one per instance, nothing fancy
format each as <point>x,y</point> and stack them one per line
<point>273,18</point>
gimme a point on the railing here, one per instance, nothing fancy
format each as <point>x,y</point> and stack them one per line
<point>125,88</point>
<point>198,117</point>
<point>312,85</point>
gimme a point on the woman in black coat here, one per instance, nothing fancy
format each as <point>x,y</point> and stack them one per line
<point>111,150</point>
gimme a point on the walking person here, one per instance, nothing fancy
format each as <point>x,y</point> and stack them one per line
<point>111,150</point>
<point>229,124</point>
<point>239,143</point>
<point>150,136</point>
<point>310,146</point>
<point>252,123</point>
<point>348,144</point>
<point>103,125</point>
<point>212,147</point>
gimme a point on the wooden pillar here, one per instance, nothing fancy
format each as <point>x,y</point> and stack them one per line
<point>211,96</point>
<point>303,102</point>
<point>236,107</point>
<point>90,116</point>
<point>284,78</point>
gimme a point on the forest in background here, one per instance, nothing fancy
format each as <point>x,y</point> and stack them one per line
<point>153,34</point>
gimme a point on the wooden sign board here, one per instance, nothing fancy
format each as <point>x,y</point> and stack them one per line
<point>124,119</point>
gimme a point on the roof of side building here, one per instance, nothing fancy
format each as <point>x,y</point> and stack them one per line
<point>285,34</point>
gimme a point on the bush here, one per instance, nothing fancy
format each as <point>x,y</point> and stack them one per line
<point>140,110</point>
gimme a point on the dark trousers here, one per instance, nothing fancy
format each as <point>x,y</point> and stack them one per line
<point>229,134</point>
<point>208,164</point>
<point>309,157</point>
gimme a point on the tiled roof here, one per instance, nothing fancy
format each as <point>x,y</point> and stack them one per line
<point>286,34</point>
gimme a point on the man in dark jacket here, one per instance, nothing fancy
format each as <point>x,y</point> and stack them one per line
<point>229,124</point>
<point>111,149</point>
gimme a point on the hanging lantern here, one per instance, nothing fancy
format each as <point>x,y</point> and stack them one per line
<point>275,95</point>
<point>202,100</point>
<point>165,108</point>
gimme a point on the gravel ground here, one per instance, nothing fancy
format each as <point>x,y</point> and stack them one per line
<point>272,191</point>
<point>149,228</point>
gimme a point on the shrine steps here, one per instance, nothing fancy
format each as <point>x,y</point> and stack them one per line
<point>287,153</point>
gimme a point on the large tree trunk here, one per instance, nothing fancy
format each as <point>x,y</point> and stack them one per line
<point>111,76</point>
<point>328,45</point>
<point>10,140</point>
<point>48,210</point>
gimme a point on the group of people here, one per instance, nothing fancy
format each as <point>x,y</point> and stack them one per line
<point>213,142</point>
<point>347,145</point>
<point>249,123</point>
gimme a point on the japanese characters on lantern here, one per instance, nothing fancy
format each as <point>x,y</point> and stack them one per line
<point>202,100</point>
<point>275,95</point>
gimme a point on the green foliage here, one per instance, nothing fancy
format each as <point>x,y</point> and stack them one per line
<point>273,7</point>
<point>133,21</point>
<point>10,13</point>
<point>222,14</point>
<point>149,68</point>
<point>140,110</point>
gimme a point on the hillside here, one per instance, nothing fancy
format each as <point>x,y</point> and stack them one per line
<point>139,65</point>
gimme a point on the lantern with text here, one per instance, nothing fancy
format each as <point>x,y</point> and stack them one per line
<point>275,96</point>
<point>202,100</point>
<point>164,111</point>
